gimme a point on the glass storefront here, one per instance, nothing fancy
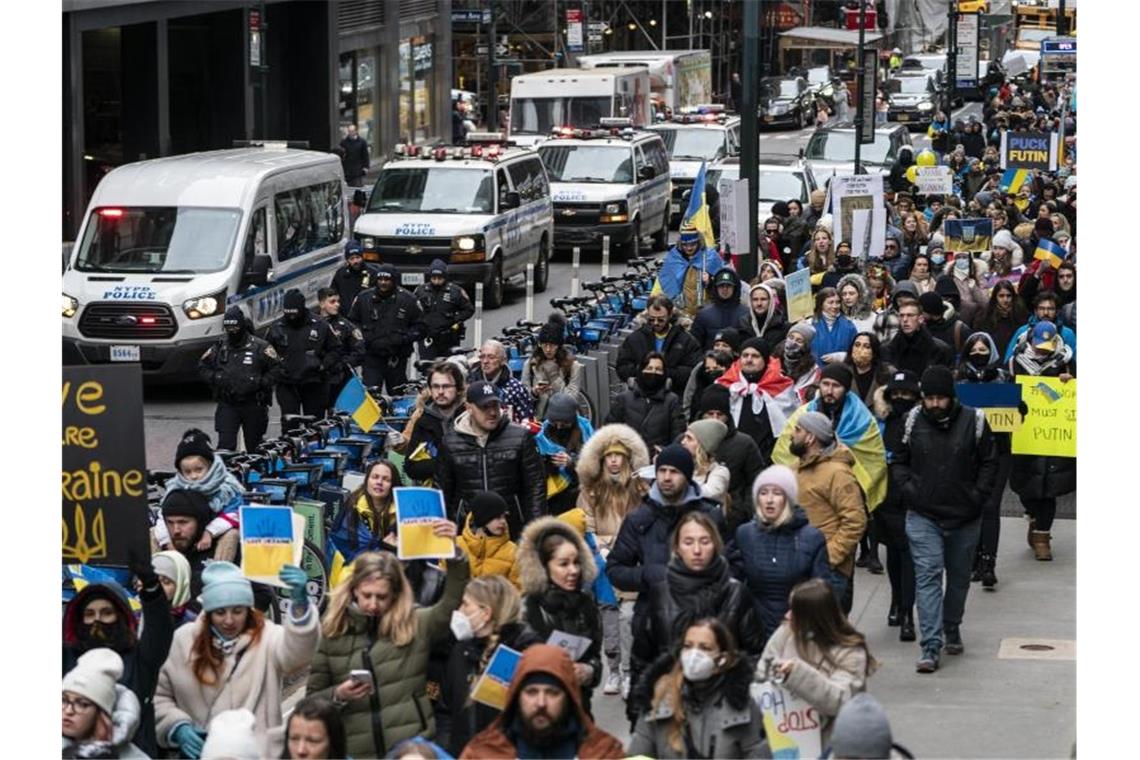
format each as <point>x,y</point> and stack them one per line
<point>357,83</point>
<point>417,66</point>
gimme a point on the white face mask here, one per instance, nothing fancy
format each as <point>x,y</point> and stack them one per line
<point>962,264</point>
<point>461,626</point>
<point>697,665</point>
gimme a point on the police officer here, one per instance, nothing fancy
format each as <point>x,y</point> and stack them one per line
<point>446,307</point>
<point>309,351</point>
<point>348,335</point>
<point>354,276</point>
<point>240,370</point>
<point>392,321</point>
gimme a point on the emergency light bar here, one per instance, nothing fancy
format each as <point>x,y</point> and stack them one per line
<point>486,137</point>
<point>615,121</point>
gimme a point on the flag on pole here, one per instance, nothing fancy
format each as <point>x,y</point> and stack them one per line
<point>1012,180</point>
<point>1049,251</point>
<point>697,214</point>
<point>355,400</point>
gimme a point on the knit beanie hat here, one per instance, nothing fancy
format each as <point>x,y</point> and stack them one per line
<point>905,286</point>
<point>938,381</point>
<point>931,304</point>
<point>780,476</point>
<point>861,729</point>
<point>840,373</point>
<point>437,267</point>
<point>485,507</point>
<point>353,248</point>
<point>709,433</point>
<point>804,330</point>
<point>715,398</point>
<point>223,585</point>
<point>94,677</point>
<point>945,287</point>
<point>194,442</point>
<point>677,456</point>
<point>780,209</point>
<point>386,270</point>
<point>617,447</point>
<point>731,336</point>
<point>818,425</point>
<point>232,737</point>
<point>757,343</point>
<point>183,502</point>
<point>294,303</point>
<point>688,234</point>
<point>562,407</point>
<point>551,332</point>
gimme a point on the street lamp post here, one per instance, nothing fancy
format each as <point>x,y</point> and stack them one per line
<point>750,133</point>
<point>860,89</point>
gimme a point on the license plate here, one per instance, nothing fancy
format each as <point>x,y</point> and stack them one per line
<point>412,278</point>
<point>904,117</point>
<point>675,208</point>
<point>124,353</point>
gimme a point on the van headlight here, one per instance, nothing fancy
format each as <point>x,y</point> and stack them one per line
<point>205,306</point>
<point>70,306</point>
<point>467,243</point>
<point>368,243</point>
<point>925,105</point>
<point>617,211</point>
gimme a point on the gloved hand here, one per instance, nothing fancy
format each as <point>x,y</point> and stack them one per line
<point>143,570</point>
<point>295,578</point>
<point>190,740</point>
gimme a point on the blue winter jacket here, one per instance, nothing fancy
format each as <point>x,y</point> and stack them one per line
<point>829,340</point>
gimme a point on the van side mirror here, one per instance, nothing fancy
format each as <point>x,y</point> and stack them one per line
<point>646,173</point>
<point>258,272</point>
<point>509,201</point>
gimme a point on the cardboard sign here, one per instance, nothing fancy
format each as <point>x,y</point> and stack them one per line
<point>267,542</point>
<point>934,180</point>
<point>1029,150</point>
<point>104,512</point>
<point>492,687</point>
<point>797,287</point>
<point>1000,402</point>
<point>1050,428</point>
<point>791,724</point>
<point>733,206</point>
<point>417,512</point>
<point>968,234</point>
<point>859,192</point>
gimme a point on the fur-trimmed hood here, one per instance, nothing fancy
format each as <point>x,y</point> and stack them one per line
<point>532,574</point>
<point>863,308</point>
<point>590,459</point>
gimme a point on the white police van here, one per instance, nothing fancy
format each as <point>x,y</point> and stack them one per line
<point>612,181</point>
<point>706,133</point>
<point>484,209</point>
<point>168,244</point>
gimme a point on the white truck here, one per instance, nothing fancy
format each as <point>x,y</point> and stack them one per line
<point>678,78</point>
<point>567,98</point>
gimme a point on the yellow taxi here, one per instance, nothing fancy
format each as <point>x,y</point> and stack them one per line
<point>973,6</point>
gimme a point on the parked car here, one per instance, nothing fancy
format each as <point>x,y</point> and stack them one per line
<point>787,101</point>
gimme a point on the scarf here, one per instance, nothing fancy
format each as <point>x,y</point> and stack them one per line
<point>697,593</point>
<point>219,486</point>
<point>1034,366</point>
<point>767,393</point>
<point>829,321</point>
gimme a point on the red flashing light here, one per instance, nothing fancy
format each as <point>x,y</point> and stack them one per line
<point>710,117</point>
<point>476,151</point>
<point>146,320</point>
<point>114,213</point>
<point>566,131</point>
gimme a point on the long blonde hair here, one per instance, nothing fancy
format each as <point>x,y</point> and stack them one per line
<point>398,624</point>
<point>605,497</point>
<point>500,596</point>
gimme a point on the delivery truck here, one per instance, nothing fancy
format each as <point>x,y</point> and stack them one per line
<point>557,98</point>
<point>677,78</point>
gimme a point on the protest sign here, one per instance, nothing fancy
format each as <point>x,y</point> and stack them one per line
<point>999,401</point>
<point>934,180</point>
<point>1029,150</point>
<point>492,687</point>
<point>968,234</point>
<point>267,542</point>
<point>733,207</point>
<point>859,192</point>
<point>575,646</point>
<point>791,724</point>
<point>797,288</point>
<point>417,512</point>
<point>104,513</point>
<point>1050,428</point>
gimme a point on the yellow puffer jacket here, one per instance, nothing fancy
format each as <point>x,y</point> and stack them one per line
<point>489,555</point>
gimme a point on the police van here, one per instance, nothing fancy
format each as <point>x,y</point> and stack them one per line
<point>611,181</point>
<point>704,134</point>
<point>168,244</point>
<point>484,208</point>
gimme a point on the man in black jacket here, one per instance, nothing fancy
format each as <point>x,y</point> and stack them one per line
<point>446,307</point>
<point>738,452</point>
<point>353,277</point>
<point>354,156</point>
<point>485,451</point>
<point>724,310</point>
<point>348,335</point>
<point>914,348</point>
<point>447,386</point>
<point>308,350</point>
<point>945,467</point>
<point>392,321</point>
<point>661,334</point>
<point>240,370</point>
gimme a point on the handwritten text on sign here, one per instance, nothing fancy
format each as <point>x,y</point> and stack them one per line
<point>1050,428</point>
<point>791,724</point>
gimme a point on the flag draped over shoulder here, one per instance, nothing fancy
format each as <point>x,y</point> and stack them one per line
<point>561,479</point>
<point>859,432</point>
<point>674,266</point>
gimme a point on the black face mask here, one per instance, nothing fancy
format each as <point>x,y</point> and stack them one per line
<point>710,375</point>
<point>651,382</point>
<point>980,361</point>
<point>235,334</point>
<point>793,351</point>
<point>116,636</point>
<point>937,414</point>
<point>559,434</point>
<point>843,261</point>
<point>901,405</point>
<point>294,317</point>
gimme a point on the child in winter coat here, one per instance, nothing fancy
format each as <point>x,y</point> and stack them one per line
<point>486,539</point>
<point>199,469</point>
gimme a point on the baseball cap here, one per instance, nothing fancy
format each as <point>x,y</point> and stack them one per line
<point>481,393</point>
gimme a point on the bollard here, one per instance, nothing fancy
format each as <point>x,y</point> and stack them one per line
<point>577,262</point>
<point>478,314</point>
<point>530,292</point>
<point>605,256</point>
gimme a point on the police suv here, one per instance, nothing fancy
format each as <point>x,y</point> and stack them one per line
<point>485,209</point>
<point>706,134</point>
<point>611,181</point>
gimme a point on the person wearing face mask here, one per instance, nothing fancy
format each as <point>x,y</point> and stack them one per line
<point>963,276</point>
<point>233,656</point>
<point>698,701</point>
<point>765,318</point>
<point>817,655</point>
<point>797,360</point>
<point>559,442</point>
<point>486,540</point>
<point>354,276</point>
<point>724,310</point>
<point>870,372</point>
<point>392,320</point>
<point>946,466</point>
<point>610,489</point>
<point>490,614</point>
<point>845,264</point>
<point>557,569</point>
<point>446,308</point>
<point>100,716</point>
<point>761,396</point>
<point>659,332</point>
<point>309,351</point>
<point>715,364</point>
<point>241,370</point>
<point>373,624</point>
<point>649,406</point>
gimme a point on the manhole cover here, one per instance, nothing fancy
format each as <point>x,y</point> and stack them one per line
<point>1036,647</point>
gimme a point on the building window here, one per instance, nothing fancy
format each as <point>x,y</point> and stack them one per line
<point>417,66</point>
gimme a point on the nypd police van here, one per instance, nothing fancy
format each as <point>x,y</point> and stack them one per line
<point>612,181</point>
<point>485,209</point>
<point>168,244</point>
<point>704,134</point>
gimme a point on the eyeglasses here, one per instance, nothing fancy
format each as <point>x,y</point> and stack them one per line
<point>77,705</point>
<point>436,387</point>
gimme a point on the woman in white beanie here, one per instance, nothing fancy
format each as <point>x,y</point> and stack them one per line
<point>99,716</point>
<point>702,439</point>
<point>232,657</point>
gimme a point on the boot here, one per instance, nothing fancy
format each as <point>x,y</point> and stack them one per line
<point>893,615</point>
<point>1042,551</point>
<point>906,626</point>
<point>1029,530</point>
<point>989,578</point>
<point>874,566</point>
<point>864,552</point>
<point>977,574</point>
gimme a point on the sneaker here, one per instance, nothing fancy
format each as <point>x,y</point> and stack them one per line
<point>613,683</point>
<point>625,686</point>
<point>928,663</point>
<point>953,644</point>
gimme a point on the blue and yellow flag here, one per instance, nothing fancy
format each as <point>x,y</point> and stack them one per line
<point>697,214</point>
<point>1012,180</point>
<point>355,400</point>
<point>1049,251</point>
<point>1000,402</point>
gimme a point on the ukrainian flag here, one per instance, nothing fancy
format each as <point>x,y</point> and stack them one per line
<point>1049,251</point>
<point>697,214</point>
<point>355,400</point>
<point>859,432</point>
<point>1012,180</point>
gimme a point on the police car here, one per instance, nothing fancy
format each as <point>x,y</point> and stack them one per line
<point>611,181</point>
<point>484,208</point>
<point>705,134</point>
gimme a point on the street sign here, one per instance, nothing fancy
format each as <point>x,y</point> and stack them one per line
<point>870,80</point>
<point>967,67</point>
<point>470,16</point>
<point>574,30</point>
<point>480,50</point>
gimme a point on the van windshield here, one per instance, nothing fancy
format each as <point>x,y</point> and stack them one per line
<point>539,116</point>
<point>694,144</point>
<point>158,239</point>
<point>588,163</point>
<point>433,190</point>
<point>839,145</point>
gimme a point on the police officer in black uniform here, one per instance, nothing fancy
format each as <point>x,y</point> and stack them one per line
<point>309,350</point>
<point>240,369</point>
<point>354,276</point>
<point>349,336</point>
<point>446,307</point>
<point>392,321</point>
